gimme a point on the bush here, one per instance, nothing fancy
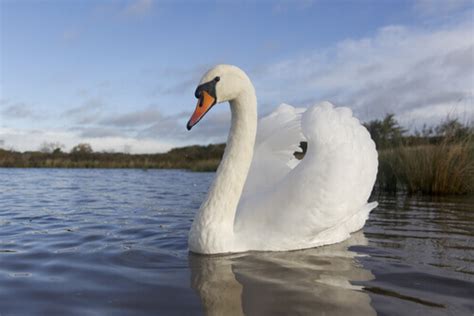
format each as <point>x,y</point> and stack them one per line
<point>385,133</point>
<point>82,149</point>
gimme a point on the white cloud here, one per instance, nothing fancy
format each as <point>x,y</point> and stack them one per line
<point>397,70</point>
<point>88,112</point>
<point>436,113</point>
<point>137,118</point>
<point>28,139</point>
<point>141,131</point>
<point>18,111</point>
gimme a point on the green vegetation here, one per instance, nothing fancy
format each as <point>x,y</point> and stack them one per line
<point>435,160</point>
<point>386,133</point>
<point>445,168</point>
<point>196,158</point>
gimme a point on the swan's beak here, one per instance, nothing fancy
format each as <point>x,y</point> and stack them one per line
<point>205,103</point>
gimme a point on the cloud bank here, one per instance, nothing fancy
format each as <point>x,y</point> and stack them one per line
<point>418,75</point>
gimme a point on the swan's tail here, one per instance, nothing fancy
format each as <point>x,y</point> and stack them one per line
<point>341,157</point>
<point>357,221</point>
<point>343,230</point>
<point>335,179</point>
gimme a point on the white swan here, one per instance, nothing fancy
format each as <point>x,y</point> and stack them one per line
<point>260,198</point>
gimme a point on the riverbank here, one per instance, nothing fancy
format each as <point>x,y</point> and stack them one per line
<point>195,158</point>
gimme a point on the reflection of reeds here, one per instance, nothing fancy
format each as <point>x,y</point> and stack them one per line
<point>443,168</point>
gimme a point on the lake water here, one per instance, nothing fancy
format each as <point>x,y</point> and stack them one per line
<point>114,242</point>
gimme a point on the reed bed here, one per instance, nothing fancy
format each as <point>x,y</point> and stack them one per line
<point>435,169</point>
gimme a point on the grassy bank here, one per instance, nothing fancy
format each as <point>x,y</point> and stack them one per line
<point>196,158</point>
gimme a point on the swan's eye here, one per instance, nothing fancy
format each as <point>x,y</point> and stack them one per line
<point>216,79</point>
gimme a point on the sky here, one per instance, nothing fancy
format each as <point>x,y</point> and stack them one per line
<point>120,75</point>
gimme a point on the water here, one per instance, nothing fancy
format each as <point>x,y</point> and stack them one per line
<point>114,242</point>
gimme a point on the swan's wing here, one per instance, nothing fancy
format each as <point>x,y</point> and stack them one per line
<point>322,199</point>
<point>278,137</point>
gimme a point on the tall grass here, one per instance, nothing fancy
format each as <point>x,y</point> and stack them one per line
<point>443,168</point>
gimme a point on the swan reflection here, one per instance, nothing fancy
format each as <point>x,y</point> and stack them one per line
<point>311,282</point>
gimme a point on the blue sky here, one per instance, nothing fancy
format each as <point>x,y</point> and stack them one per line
<point>121,74</point>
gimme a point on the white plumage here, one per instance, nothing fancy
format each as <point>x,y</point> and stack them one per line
<point>284,204</point>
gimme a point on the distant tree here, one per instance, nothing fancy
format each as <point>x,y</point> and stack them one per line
<point>386,132</point>
<point>82,148</point>
<point>2,143</point>
<point>51,147</point>
<point>453,129</point>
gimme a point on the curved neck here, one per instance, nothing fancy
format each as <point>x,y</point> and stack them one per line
<point>212,229</point>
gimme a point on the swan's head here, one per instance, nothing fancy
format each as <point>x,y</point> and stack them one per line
<point>220,84</point>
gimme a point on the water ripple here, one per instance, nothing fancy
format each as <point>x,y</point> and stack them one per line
<point>99,242</point>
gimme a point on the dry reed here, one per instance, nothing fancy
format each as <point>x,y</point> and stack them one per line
<point>444,168</point>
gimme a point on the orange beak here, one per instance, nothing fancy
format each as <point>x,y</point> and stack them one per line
<point>205,103</point>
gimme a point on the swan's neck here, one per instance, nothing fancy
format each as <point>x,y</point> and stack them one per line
<point>213,226</point>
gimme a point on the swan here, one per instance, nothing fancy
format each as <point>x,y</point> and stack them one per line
<point>262,198</point>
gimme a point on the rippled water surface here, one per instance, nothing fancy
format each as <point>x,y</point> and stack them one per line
<point>114,242</point>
